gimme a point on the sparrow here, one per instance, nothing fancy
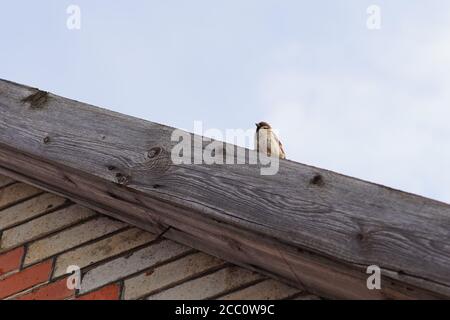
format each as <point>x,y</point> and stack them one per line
<point>267,142</point>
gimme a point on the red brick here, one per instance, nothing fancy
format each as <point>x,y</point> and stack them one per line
<point>25,279</point>
<point>11,260</point>
<point>111,292</point>
<point>54,291</point>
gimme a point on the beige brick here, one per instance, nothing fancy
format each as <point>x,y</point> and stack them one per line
<point>44,225</point>
<point>171,273</point>
<point>124,266</point>
<point>209,286</point>
<point>100,250</point>
<point>265,290</point>
<point>70,238</point>
<point>16,192</point>
<point>29,209</point>
<point>4,181</point>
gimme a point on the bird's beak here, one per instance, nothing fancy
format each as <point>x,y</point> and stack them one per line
<point>256,124</point>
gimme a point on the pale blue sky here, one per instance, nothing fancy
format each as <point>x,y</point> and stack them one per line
<point>370,104</point>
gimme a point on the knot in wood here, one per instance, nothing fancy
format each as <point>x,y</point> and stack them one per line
<point>154,152</point>
<point>317,180</point>
<point>36,100</point>
<point>360,237</point>
<point>46,140</point>
<point>157,161</point>
<point>122,179</point>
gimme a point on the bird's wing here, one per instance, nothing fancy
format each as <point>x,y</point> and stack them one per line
<point>282,153</point>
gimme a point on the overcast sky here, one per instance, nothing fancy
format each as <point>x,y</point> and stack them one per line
<point>373,104</point>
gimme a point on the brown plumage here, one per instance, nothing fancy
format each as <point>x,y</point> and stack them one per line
<point>267,142</point>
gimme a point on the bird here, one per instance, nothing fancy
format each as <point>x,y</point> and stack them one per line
<point>266,141</point>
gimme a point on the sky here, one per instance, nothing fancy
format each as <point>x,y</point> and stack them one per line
<point>372,104</point>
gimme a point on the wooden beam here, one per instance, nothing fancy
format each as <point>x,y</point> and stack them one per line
<point>309,227</point>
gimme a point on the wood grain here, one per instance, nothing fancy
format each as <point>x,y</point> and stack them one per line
<point>307,226</point>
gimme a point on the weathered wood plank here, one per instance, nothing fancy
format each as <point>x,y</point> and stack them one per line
<point>5,181</point>
<point>318,235</point>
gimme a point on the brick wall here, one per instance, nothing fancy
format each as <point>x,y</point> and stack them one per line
<point>43,234</point>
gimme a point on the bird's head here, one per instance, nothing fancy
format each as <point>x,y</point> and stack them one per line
<point>262,125</point>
